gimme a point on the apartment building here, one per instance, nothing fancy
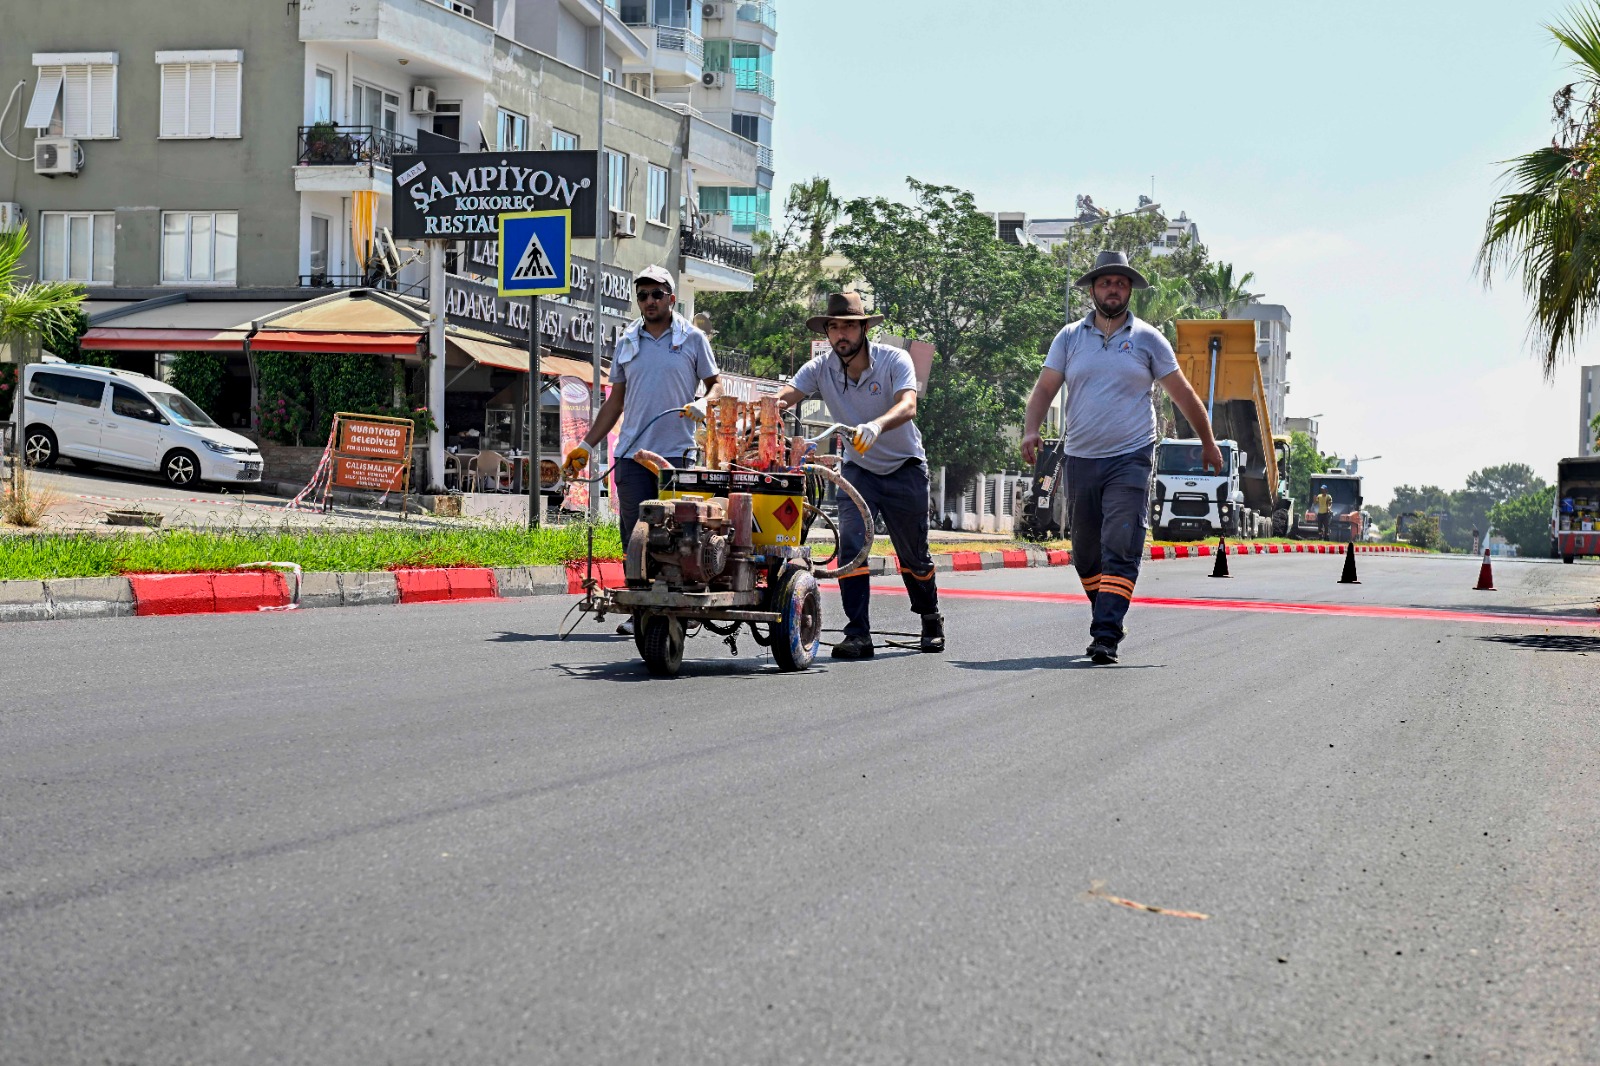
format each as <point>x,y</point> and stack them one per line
<point>161,152</point>
<point>1588,407</point>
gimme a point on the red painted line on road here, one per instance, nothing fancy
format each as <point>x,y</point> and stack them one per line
<point>1342,610</point>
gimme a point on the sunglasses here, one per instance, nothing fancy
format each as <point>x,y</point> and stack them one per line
<point>646,295</point>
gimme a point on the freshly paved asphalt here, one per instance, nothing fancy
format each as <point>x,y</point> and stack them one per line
<point>435,834</point>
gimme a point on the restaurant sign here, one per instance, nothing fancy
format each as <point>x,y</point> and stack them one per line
<point>567,326</point>
<point>462,196</point>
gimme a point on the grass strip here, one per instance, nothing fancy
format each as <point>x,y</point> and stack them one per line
<point>87,554</point>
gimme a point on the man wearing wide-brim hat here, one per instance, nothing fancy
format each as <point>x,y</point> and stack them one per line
<point>873,387</point>
<point>1111,362</point>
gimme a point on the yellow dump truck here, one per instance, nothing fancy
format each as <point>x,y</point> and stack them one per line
<point>1248,497</point>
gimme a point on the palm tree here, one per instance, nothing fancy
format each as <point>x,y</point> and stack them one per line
<point>1163,303</point>
<point>1546,228</point>
<point>30,309</point>
<point>1217,291</point>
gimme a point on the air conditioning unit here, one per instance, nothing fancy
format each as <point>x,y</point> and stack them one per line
<point>711,11</point>
<point>713,79</point>
<point>10,217</point>
<point>424,100</point>
<point>56,155</point>
<point>624,224</point>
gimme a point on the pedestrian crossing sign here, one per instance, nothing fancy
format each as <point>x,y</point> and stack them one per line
<point>535,253</point>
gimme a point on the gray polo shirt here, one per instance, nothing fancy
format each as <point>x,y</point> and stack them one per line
<point>661,376</point>
<point>889,373</point>
<point>1110,385</point>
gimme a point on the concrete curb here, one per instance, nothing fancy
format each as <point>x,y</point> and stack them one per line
<point>266,590</point>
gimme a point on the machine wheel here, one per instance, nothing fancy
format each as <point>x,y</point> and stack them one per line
<point>39,447</point>
<point>799,627</point>
<point>660,640</point>
<point>1280,523</point>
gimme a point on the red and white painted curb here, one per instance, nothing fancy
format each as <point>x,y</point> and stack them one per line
<point>281,587</point>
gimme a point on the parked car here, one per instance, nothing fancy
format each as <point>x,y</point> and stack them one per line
<point>96,416</point>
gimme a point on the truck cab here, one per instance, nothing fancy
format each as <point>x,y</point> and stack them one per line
<point>1189,502</point>
<point>1575,518</point>
<point>1348,522</point>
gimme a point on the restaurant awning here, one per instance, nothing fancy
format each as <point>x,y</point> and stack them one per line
<point>488,352</point>
<point>109,339</point>
<point>177,325</point>
<point>288,340</point>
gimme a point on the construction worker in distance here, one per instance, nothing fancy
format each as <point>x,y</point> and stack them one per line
<point>873,387</point>
<point>1324,504</point>
<point>1111,362</point>
<point>660,362</point>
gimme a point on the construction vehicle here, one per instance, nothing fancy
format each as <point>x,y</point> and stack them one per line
<point>723,546</point>
<point>1347,522</point>
<point>1576,520</point>
<point>1248,497</point>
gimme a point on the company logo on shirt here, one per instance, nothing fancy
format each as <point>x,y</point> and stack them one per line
<point>1127,346</point>
<point>874,388</point>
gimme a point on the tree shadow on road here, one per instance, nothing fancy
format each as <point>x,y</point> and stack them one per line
<point>1048,662</point>
<point>1568,642</point>
<point>573,638</point>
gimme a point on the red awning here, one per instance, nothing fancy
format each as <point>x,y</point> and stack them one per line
<point>108,339</point>
<point>286,340</point>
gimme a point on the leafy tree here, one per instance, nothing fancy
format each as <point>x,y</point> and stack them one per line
<point>1524,520</point>
<point>1163,303</point>
<point>1423,532</point>
<point>30,308</point>
<point>364,384</point>
<point>937,272</point>
<point>1545,229</point>
<point>791,284</point>
<point>1216,290</point>
<point>1505,482</point>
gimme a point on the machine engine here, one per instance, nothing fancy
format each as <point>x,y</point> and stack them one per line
<point>693,544</point>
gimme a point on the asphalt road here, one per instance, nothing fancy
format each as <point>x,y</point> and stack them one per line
<point>435,834</point>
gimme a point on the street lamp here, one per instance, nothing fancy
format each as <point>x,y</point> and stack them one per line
<point>1355,463</point>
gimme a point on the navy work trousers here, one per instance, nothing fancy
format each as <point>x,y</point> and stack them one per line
<point>636,484</point>
<point>902,499</point>
<point>1110,501</point>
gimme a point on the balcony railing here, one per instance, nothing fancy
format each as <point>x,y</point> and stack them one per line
<point>764,156</point>
<point>734,361</point>
<point>755,81</point>
<point>327,145</point>
<point>762,11</point>
<point>670,40</point>
<point>714,249</point>
<point>754,221</point>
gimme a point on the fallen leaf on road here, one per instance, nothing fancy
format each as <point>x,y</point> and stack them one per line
<point>1097,891</point>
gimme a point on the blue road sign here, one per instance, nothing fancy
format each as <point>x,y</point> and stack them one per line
<point>535,253</point>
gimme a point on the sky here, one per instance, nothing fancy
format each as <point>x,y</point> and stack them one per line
<point>1347,153</point>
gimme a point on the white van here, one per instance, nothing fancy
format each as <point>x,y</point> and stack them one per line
<point>94,416</point>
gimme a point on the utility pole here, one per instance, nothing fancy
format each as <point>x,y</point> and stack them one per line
<point>602,220</point>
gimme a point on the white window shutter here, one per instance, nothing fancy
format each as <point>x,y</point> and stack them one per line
<point>75,102</point>
<point>102,101</point>
<point>42,108</point>
<point>200,100</point>
<point>174,100</point>
<point>228,99</point>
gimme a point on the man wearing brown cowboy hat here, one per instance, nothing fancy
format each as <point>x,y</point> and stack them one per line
<point>873,387</point>
<point>1111,362</point>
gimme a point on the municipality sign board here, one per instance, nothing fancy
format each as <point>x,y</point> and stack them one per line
<point>460,196</point>
<point>535,253</point>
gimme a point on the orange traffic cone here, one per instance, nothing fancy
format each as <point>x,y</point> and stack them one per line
<point>1485,577</point>
<point>1349,575</point>
<point>1220,569</point>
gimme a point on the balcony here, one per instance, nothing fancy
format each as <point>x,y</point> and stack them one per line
<point>439,42</point>
<point>327,145</point>
<point>719,156</point>
<point>346,159</point>
<point>762,11</point>
<point>764,156</point>
<point>755,81</point>
<point>714,249</point>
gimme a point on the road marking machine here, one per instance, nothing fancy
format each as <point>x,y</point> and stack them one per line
<point>723,545</point>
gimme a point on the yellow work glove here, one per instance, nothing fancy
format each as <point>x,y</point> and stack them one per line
<point>695,410</point>
<point>576,460</point>
<point>866,436</point>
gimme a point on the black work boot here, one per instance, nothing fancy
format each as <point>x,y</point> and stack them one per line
<point>1101,653</point>
<point>933,632</point>
<point>853,647</point>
